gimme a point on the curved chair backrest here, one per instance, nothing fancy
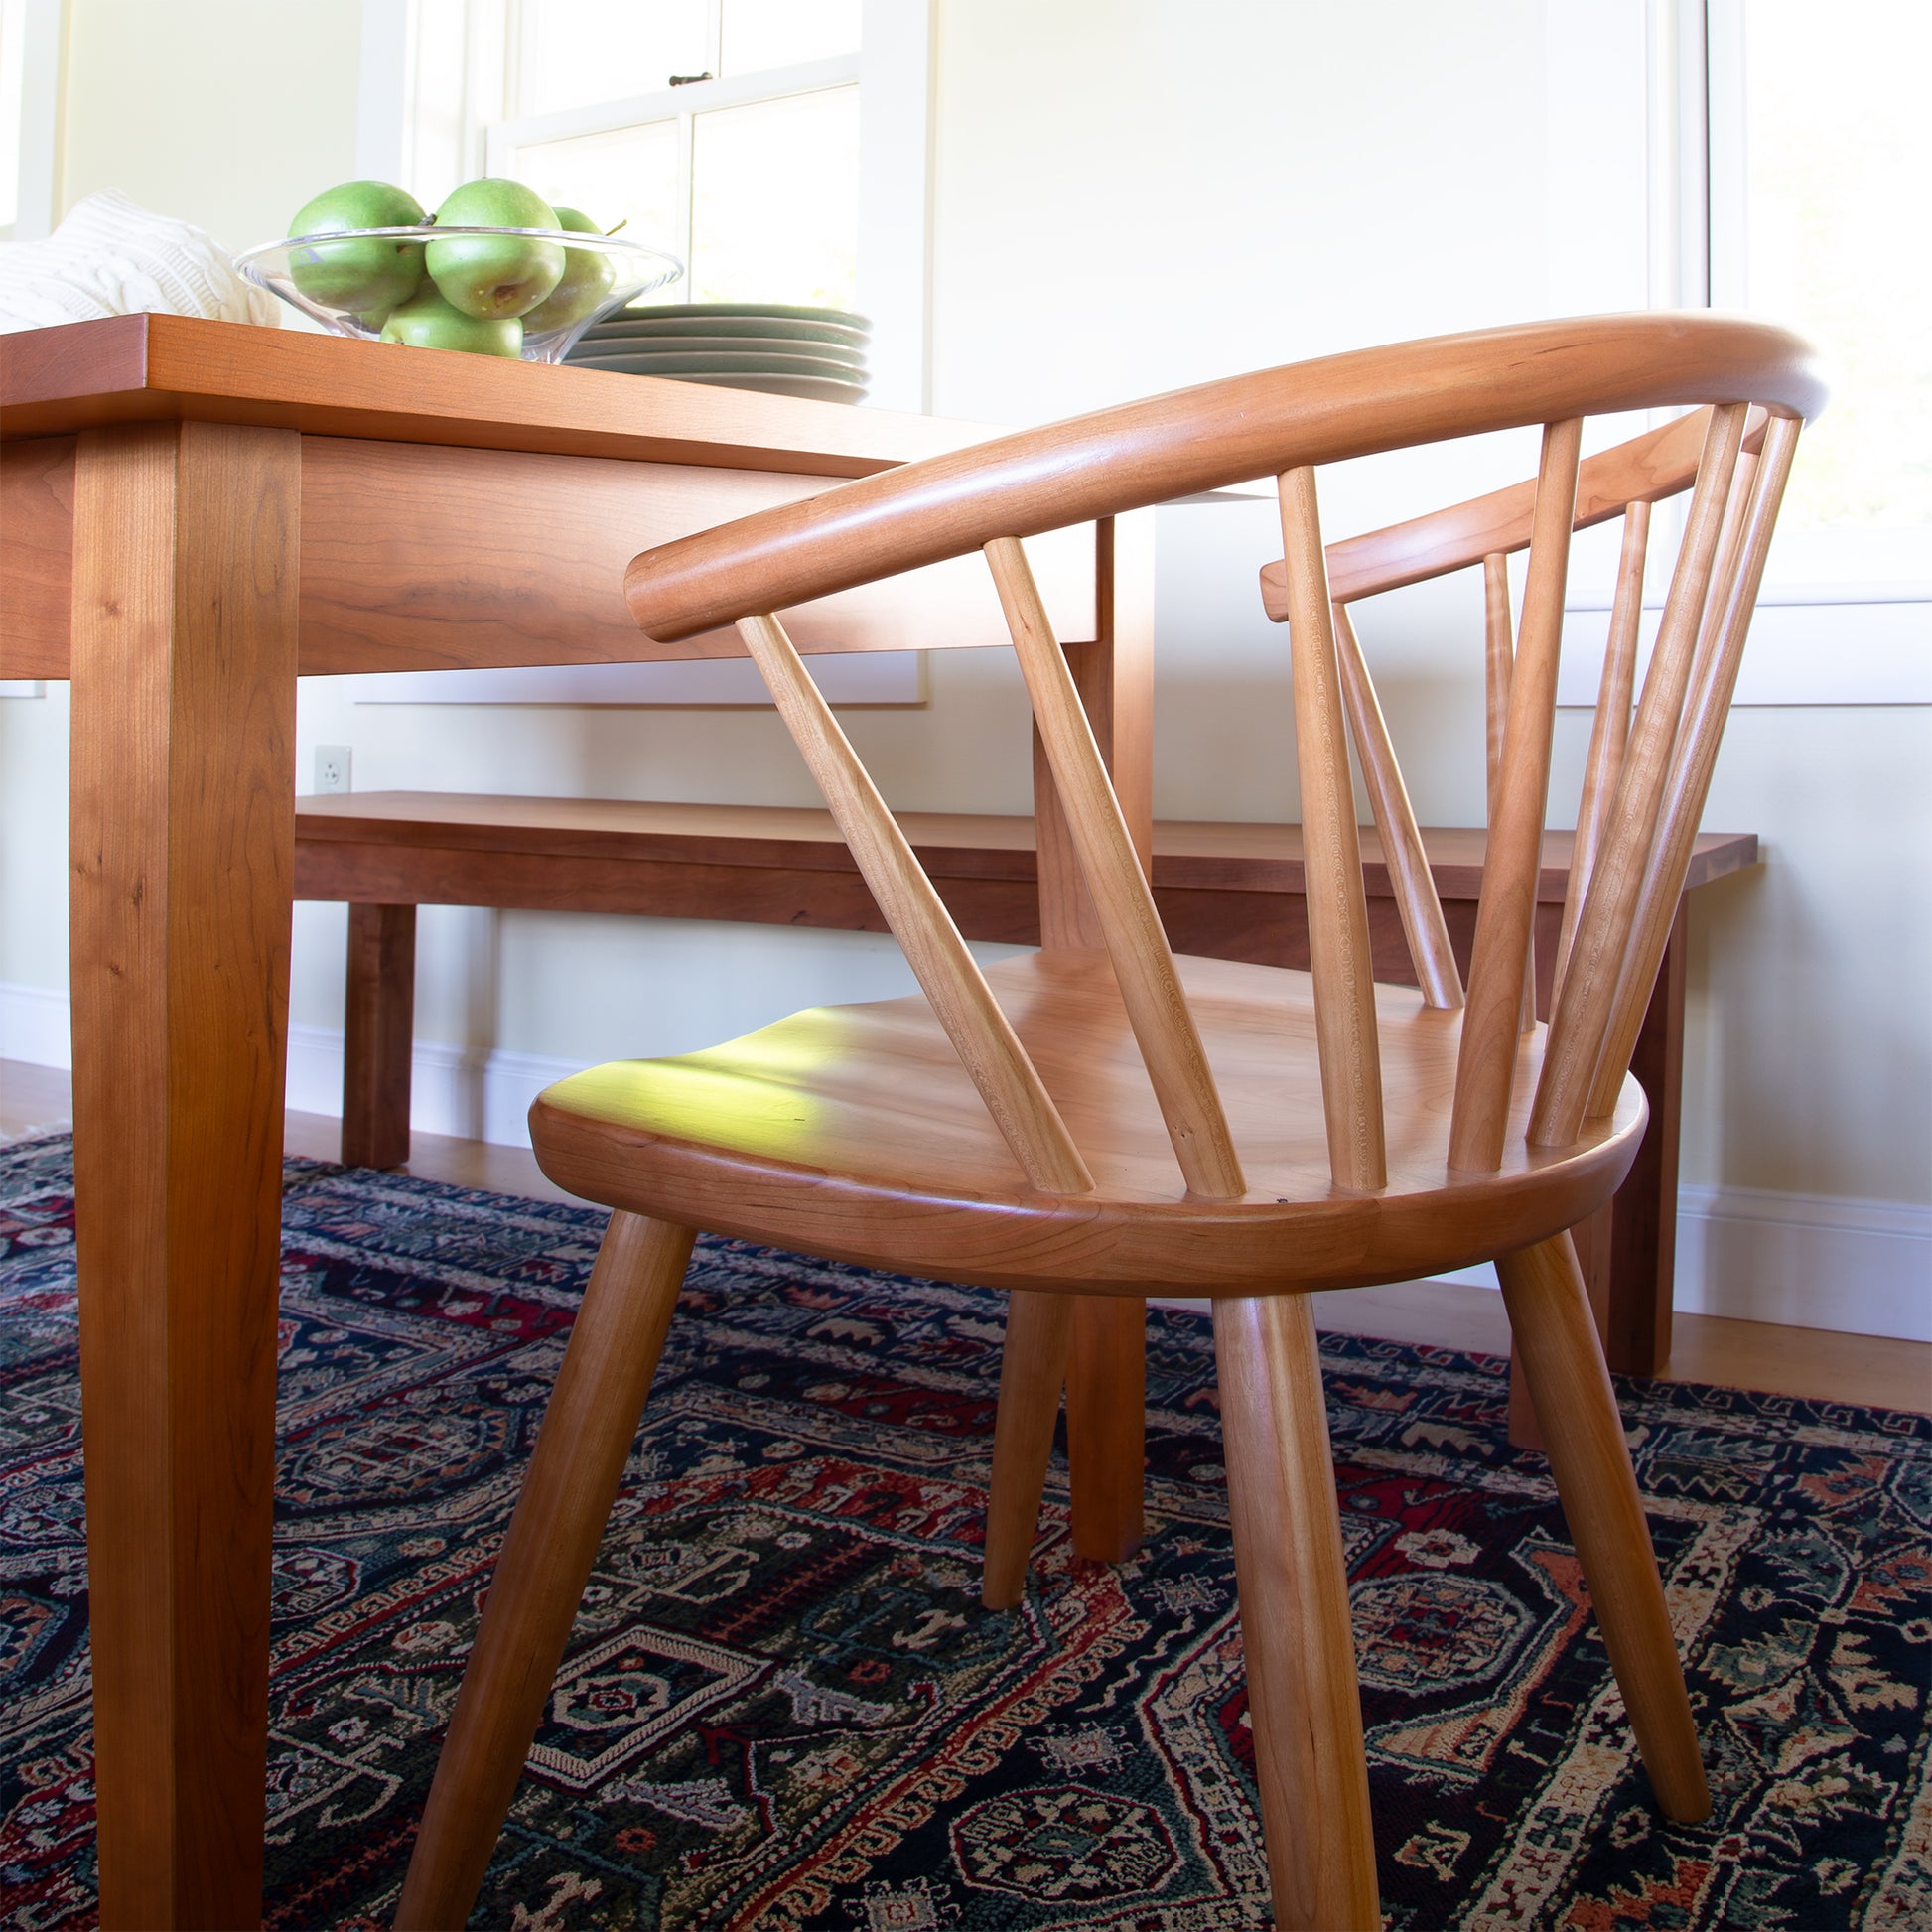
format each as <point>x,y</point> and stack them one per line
<point>1282,423</point>
<point>1629,478</point>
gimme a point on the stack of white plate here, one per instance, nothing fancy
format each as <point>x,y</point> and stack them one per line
<point>785,351</point>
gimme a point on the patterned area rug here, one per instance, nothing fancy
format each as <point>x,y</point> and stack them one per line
<point>785,1707</point>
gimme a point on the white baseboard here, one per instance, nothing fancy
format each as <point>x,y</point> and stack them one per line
<point>474,1092</point>
<point>1807,1261</point>
<point>34,1026</point>
<point>1810,1261</point>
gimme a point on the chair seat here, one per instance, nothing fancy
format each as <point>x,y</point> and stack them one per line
<point>855,1132</point>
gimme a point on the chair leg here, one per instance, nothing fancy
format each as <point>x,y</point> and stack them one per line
<point>1106,1424</point>
<point>1563,1360</point>
<point>1295,1628</point>
<point>1033,1369</point>
<point>560,1517</point>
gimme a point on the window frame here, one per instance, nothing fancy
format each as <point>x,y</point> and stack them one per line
<point>43,39</point>
<point>437,111</point>
<point>1817,567</point>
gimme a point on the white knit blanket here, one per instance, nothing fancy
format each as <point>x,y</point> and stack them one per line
<point>112,257</point>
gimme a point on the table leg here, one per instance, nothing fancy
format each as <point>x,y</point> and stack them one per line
<point>1643,1229</point>
<point>378,1034</point>
<point>182,832</point>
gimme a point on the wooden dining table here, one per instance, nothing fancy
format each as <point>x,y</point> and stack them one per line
<point>192,515</point>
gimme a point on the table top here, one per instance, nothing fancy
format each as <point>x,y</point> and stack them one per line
<point>1228,854</point>
<point>147,367</point>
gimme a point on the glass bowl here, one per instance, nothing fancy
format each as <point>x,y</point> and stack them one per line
<point>635,271</point>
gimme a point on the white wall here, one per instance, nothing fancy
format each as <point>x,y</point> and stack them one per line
<point>1129,197</point>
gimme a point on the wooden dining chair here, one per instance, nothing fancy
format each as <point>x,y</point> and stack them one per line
<point>1122,1121</point>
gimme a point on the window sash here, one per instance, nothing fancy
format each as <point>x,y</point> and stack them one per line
<point>681,105</point>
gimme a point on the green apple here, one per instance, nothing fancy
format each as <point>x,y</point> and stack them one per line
<point>370,276</point>
<point>491,276</point>
<point>589,274</point>
<point>426,321</point>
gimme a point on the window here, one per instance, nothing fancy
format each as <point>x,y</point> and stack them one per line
<point>1819,153</point>
<point>30,66</point>
<point>776,147</point>
<point>738,146</point>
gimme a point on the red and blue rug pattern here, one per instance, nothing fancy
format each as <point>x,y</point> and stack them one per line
<point>783,1707</point>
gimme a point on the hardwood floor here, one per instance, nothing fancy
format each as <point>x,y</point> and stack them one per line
<point>1812,1362</point>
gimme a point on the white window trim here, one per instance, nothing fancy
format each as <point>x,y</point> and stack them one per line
<point>42,48</point>
<point>1628,99</point>
<point>417,128</point>
<point>1713,176</point>
<point>678,105</point>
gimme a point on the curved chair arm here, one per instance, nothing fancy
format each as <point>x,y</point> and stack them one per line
<point>1208,437</point>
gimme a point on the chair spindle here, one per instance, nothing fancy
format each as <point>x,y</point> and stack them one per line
<point>1415,897</point>
<point>1349,1048</point>
<point>1610,732</point>
<point>1498,655</point>
<point>1579,1025</point>
<point>1506,915</point>
<point>1169,1043</point>
<point>981,1033</point>
<point>1693,759</point>
<point>1498,661</point>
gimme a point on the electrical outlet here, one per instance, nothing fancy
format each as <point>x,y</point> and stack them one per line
<point>332,767</point>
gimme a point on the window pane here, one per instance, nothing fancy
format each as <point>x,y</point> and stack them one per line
<point>13,44</point>
<point>775,210</point>
<point>1840,149</point>
<point>574,52</point>
<point>778,32</point>
<point>629,176</point>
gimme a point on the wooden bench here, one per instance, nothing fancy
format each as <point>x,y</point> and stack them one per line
<point>1226,890</point>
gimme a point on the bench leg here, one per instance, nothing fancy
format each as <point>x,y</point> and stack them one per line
<point>379,1019</point>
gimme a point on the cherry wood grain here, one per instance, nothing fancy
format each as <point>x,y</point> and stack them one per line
<point>429,832</point>
<point>1556,1339</point>
<point>1033,1369</point>
<point>573,1478</point>
<point>1106,1374</point>
<point>1297,1643</point>
<point>1430,950</point>
<point>920,1133</point>
<point>948,974</point>
<point>182,826</point>
<point>1598,952</point>
<point>1123,901</point>
<point>1505,920</point>
<point>1106,1424</point>
<point>420,558</point>
<point>1498,669</point>
<point>1206,438</point>
<point>378,1022</point>
<point>883,1148</point>
<point>1646,469</point>
<point>1610,728</point>
<point>1694,758</point>
<point>36,557</point>
<point>1338,954</point>
<point>151,367</point>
